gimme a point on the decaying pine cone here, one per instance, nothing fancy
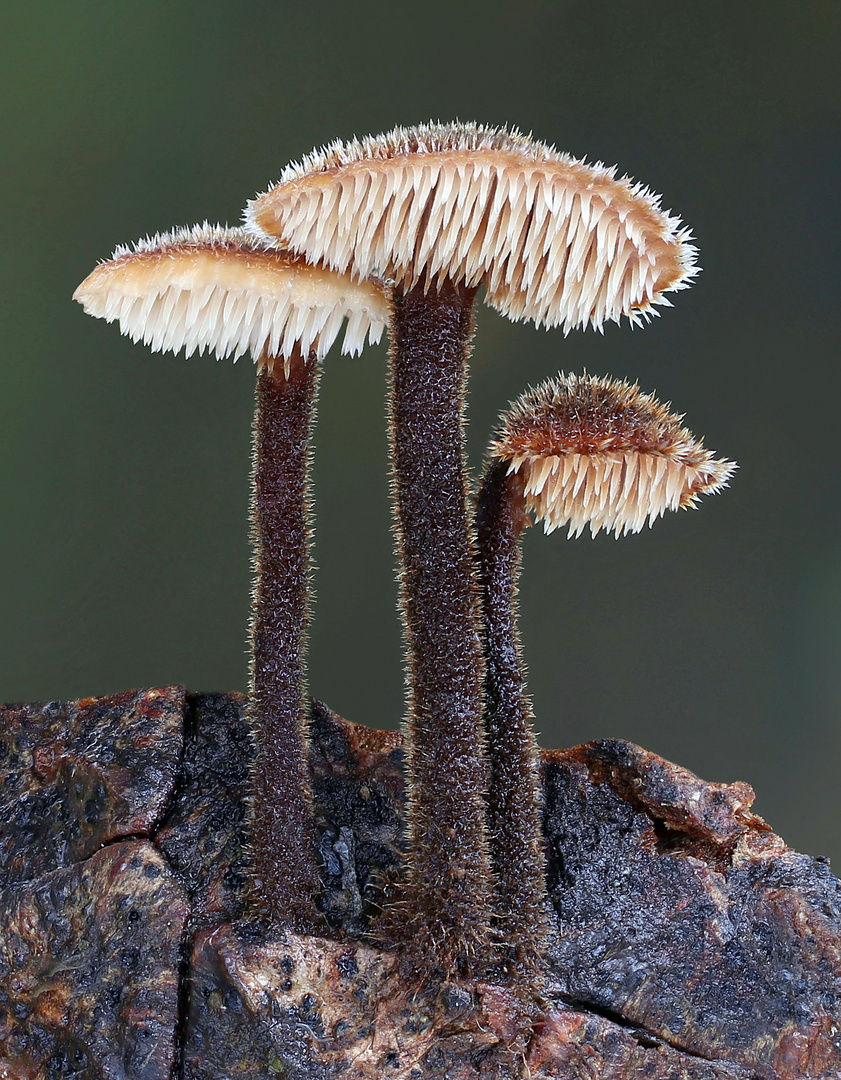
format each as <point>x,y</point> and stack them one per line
<point>692,942</point>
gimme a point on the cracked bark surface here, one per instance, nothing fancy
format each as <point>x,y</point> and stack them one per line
<point>693,943</point>
<point>80,774</point>
<point>89,973</point>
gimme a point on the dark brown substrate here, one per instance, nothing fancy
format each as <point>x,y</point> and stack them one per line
<point>693,943</point>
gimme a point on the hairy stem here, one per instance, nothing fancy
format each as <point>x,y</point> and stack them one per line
<point>282,815</point>
<point>514,803</point>
<point>450,892</point>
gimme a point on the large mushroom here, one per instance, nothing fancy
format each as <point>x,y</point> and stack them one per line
<point>577,451</point>
<point>219,289</point>
<point>438,210</point>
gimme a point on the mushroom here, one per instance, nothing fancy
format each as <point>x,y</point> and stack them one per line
<point>578,451</point>
<point>438,210</point>
<point>222,290</point>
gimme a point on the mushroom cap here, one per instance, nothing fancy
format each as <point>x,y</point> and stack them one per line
<point>220,289</point>
<point>596,451</point>
<point>553,239</point>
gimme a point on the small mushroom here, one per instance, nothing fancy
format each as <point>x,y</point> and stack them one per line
<point>578,451</point>
<point>219,289</point>
<point>438,210</point>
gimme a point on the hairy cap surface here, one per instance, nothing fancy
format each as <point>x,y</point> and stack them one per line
<point>598,452</point>
<point>220,289</point>
<point>553,239</point>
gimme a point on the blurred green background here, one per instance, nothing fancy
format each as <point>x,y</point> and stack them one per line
<point>714,639</point>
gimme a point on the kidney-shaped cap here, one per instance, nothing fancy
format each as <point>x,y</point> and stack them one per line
<point>220,289</point>
<point>598,452</point>
<point>553,239</point>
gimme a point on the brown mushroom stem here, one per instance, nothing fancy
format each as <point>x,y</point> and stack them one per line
<point>514,802</point>
<point>282,816</point>
<point>450,891</point>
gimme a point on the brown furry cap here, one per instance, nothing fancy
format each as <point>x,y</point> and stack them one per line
<point>599,452</point>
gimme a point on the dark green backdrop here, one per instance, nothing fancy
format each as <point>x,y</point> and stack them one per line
<point>715,639</point>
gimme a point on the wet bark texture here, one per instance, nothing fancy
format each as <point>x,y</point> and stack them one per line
<point>693,943</point>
